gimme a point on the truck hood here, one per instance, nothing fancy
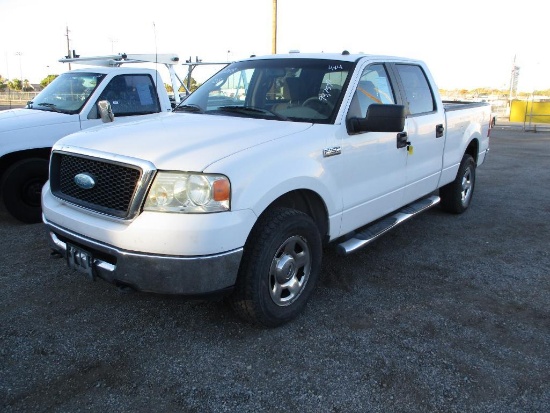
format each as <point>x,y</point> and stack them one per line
<point>14,119</point>
<point>180,141</point>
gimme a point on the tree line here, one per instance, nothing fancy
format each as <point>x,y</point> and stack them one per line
<point>500,93</point>
<point>25,86</point>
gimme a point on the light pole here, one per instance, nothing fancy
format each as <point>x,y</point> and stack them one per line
<point>20,68</point>
<point>274,29</point>
<point>113,41</point>
<point>68,47</point>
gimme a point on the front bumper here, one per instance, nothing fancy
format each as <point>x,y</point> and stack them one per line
<point>155,273</point>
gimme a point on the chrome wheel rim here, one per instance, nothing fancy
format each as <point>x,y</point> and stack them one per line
<point>289,271</point>
<point>467,187</point>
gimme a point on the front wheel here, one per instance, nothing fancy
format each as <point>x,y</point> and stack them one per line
<point>457,196</point>
<point>280,268</point>
<point>21,188</point>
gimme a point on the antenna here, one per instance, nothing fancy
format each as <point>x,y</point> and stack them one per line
<point>155,36</point>
<point>156,55</point>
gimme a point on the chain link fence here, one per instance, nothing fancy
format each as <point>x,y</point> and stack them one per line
<point>16,98</point>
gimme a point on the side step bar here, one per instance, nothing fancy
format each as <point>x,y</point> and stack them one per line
<point>369,233</point>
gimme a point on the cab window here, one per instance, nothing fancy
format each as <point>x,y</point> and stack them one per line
<point>131,95</point>
<point>417,90</point>
<point>374,87</point>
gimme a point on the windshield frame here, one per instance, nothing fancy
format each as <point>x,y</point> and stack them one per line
<point>260,88</point>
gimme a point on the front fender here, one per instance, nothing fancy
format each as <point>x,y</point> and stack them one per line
<point>34,135</point>
<point>262,174</point>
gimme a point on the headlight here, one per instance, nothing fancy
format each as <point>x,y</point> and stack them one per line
<point>188,193</point>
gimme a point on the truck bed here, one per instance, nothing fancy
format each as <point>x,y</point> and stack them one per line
<point>461,104</point>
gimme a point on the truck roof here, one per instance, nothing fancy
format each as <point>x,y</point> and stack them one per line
<point>344,56</point>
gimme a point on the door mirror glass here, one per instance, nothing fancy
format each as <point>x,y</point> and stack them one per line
<point>105,112</point>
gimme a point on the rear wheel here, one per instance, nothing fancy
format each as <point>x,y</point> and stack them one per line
<point>457,196</point>
<point>280,268</point>
<point>21,188</point>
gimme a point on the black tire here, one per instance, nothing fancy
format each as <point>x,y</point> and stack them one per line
<point>456,197</point>
<point>280,268</point>
<point>21,187</point>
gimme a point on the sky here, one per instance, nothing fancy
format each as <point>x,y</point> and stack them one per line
<point>467,44</point>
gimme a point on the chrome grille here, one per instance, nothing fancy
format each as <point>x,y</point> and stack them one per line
<point>114,189</point>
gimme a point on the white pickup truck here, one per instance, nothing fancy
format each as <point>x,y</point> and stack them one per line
<point>67,105</point>
<point>272,159</point>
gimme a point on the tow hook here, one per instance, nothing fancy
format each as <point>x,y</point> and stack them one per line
<point>55,254</point>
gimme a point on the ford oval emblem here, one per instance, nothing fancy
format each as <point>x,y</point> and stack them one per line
<point>84,181</point>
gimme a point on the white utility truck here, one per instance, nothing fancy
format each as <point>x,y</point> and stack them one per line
<point>70,104</point>
<point>269,161</point>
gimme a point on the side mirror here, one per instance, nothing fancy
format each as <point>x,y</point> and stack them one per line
<point>380,118</point>
<point>105,112</point>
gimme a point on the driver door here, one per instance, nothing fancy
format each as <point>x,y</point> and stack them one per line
<point>130,95</point>
<point>372,169</point>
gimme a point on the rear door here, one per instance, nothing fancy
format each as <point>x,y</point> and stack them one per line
<point>424,127</point>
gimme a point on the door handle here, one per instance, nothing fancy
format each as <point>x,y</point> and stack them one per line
<point>402,140</point>
<point>439,129</point>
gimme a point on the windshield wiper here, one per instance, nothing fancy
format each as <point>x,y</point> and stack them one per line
<point>253,110</point>
<point>51,106</point>
<point>189,108</point>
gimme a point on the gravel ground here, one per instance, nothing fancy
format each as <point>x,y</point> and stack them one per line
<point>443,314</point>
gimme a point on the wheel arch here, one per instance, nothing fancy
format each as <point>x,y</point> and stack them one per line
<point>10,158</point>
<point>473,149</point>
<point>308,202</point>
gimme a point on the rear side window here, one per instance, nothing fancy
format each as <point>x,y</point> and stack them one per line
<point>417,89</point>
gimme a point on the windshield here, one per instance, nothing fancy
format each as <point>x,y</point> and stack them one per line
<point>67,93</point>
<point>295,89</point>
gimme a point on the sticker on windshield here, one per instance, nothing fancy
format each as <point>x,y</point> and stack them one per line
<point>325,94</point>
<point>335,67</point>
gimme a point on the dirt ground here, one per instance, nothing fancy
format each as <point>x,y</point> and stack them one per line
<point>443,314</point>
